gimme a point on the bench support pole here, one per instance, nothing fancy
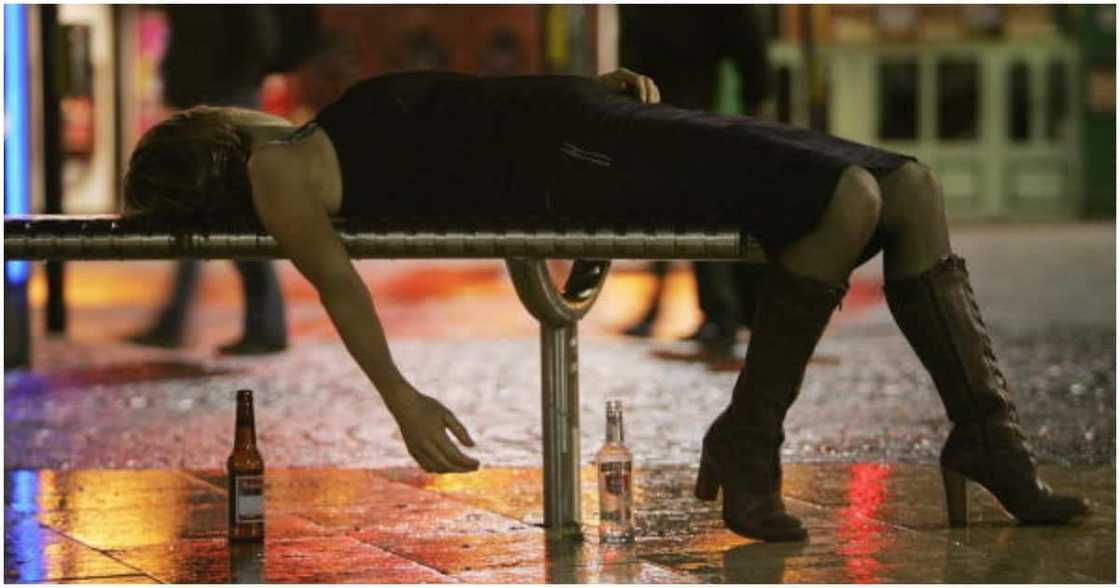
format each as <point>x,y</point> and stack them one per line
<point>560,427</point>
<point>559,312</point>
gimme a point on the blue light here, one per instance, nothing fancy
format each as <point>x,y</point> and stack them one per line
<point>17,113</point>
<point>22,531</point>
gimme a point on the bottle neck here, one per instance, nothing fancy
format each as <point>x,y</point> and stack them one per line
<point>245,432</point>
<point>614,429</point>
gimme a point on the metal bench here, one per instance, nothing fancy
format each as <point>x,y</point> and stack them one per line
<point>525,247</point>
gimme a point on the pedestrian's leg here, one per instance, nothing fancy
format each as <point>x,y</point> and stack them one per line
<point>265,330</point>
<point>801,289</point>
<point>748,280</point>
<point>720,305</point>
<point>930,296</point>
<point>170,325</point>
<point>644,327</point>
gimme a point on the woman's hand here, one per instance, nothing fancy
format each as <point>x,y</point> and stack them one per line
<point>424,421</point>
<point>624,80</point>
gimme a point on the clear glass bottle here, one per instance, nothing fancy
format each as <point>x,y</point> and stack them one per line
<point>616,524</point>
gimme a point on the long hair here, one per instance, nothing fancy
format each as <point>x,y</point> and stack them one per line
<point>193,165</point>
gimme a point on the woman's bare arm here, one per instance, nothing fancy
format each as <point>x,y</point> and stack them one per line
<point>283,196</point>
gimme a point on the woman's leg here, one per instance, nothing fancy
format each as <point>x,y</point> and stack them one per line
<point>916,235</point>
<point>830,251</point>
<point>798,295</point>
<point>931,299</point>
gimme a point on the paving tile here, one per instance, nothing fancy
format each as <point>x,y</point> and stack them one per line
<point>54,490</point>
<point>125,527</point>
<point>335,559</point>
<point>1085,552</point>
<point>131,579</point>
<point>630,573</point>
<point>838,550</point>
<point>180,561</point>
<point>514,492</point>
<point>455,553</point>
<point>289,489</point>
<point>33,553</point>
<point>397,519</point>
<point>913,496</point>
<point>537,558</point>
<point>341,560</point>
<point>117,508</point>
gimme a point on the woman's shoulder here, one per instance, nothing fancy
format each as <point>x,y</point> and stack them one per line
<point>305,160</point>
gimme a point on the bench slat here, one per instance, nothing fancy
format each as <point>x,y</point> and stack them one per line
<point>107,237</point>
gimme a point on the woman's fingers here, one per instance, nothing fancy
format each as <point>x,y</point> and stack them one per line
<point>436,458</point>
<point>458,429</point>
<point>421,459</point>
<point>451,453</point>
<point>440,455</point>
<point>641,87</point>
<point>638,88</point>
<point>645,89</point>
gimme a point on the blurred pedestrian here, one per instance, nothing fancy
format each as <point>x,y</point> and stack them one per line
<point>219,55</point>
<point>682,47</point>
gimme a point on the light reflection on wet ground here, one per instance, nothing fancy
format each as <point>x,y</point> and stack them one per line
<point>869,523</point>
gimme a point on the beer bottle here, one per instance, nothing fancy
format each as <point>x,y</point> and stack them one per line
<point>245,470</point>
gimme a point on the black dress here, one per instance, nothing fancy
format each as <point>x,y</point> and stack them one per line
<point>439,144</point>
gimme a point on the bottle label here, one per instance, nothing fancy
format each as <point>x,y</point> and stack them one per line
<point>616,475</point>
<point>250,499</point>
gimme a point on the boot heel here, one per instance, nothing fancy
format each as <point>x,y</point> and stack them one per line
<point>707,486</point>
<point>956,498</point>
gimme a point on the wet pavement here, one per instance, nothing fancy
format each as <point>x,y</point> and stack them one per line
<point>869,523</point>
<point>112,451</point>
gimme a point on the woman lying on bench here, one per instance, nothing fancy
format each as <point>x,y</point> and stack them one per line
<point>558,147</point>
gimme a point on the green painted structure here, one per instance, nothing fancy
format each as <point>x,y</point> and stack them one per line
<point>1008,125</point>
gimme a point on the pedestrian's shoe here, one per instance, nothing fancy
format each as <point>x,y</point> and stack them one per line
<point>712,330</point>
<point>740,452</point>
<point>642,328</point>
<point>248,345</point>
<point>716,338</point>
<point>937,313</point>
<point>164,334</point>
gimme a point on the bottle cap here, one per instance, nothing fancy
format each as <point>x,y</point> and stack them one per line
<point>614,406</point>
<point>244,394</point>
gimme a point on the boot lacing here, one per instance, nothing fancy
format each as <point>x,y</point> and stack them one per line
<point>993,364</point>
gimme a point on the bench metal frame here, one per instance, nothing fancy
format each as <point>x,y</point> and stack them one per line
<point>524,248</point>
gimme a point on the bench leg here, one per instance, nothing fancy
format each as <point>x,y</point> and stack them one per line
<point>559,311</point>
<point>560,426</point>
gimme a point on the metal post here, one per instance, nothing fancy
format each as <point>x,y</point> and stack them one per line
<point>560,426</point>
<point>53,70</point>
<point>559,312</point>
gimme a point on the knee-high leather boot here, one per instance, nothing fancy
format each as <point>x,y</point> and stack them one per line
<point>937,312</point>
<point>741,447</point>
